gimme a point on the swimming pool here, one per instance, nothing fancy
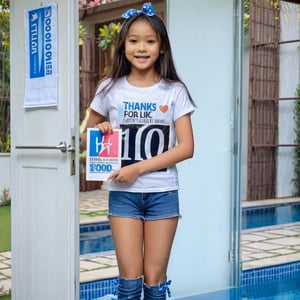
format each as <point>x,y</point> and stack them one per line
<point>97,241</point>
<point>95,237</point>
<point>270,215</point>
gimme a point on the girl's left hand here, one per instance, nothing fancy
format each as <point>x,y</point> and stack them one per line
<point>126,175</point>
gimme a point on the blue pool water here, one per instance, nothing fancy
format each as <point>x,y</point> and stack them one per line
<point>280,291</point>
<point>96,241</point>
<point>95,237</point>
<point>270,215</point>
<point>288,289</point>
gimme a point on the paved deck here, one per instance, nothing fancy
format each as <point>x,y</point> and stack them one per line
<point>270,246</point>
<point>259,247</point>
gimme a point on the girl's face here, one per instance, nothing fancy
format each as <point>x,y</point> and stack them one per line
<point>142,46</point>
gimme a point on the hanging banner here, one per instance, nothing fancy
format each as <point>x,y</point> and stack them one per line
<point>41,77</point>
<point>103,155</point>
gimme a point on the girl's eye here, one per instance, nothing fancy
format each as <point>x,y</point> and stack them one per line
<point>151,41</point>
<point>132,41</point>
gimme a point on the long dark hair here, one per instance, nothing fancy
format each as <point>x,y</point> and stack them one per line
<point>164,66</point>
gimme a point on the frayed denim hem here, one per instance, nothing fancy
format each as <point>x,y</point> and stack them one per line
<point>130,288</point>
<point>157,292</point>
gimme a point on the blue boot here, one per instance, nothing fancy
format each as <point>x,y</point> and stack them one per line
<point>130,288</point>
<point>157,292</point>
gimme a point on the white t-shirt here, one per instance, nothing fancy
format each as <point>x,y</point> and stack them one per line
<point>147,118</point>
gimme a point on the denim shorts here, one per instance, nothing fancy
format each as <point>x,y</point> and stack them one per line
<point>144,206</point>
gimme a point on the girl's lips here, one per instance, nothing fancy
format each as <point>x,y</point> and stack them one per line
<point>142,57</point>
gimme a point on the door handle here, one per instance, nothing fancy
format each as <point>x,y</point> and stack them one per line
<point>62,146</point>
<point>71,148</point>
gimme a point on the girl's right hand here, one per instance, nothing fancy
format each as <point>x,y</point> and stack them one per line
<point>104,127</point>
<point>95,120</point>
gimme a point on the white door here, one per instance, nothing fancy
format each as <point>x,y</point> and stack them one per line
<point>44,187</point>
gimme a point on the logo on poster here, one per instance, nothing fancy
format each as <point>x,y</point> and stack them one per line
<point>103,145</point>
<point>40,42</point>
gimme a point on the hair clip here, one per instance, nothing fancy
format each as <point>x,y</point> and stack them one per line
<point>147,9</point>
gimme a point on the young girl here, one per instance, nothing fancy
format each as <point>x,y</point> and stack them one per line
<point>143,95</point>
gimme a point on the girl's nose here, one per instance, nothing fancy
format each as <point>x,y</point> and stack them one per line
<point>142,46</point>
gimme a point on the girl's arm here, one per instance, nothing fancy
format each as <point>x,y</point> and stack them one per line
<point>95,120</point>
<point>183,150</point>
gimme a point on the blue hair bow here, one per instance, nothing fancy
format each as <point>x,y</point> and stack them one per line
<point>147,9</point>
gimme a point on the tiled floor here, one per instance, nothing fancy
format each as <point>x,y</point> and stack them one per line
<point>259,247</point>
<point>270,246</point>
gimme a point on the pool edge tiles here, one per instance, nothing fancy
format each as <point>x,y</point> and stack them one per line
<point>278,272</point>
<point>269,202</point>
<point>96,226</point>
<point>99,288</point>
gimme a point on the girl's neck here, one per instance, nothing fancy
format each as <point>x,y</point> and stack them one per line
<point>143,80</point>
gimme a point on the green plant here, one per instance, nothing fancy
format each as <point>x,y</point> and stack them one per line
<point>5,145</point>
<point>5,228</point>
<point>4,77</point>
<point>82,33</point>
<point>108,35</point>
<point>296,179</point>
<point>5,199</point>
<point>246,15</point>
<point>5,297</point>
<point>4,4</point>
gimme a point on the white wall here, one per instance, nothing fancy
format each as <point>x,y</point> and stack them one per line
<point>202,36</point>
<point>289,79</point>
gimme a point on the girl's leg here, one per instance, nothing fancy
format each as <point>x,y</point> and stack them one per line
<point>128,240</point>
<point>158,239</point>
